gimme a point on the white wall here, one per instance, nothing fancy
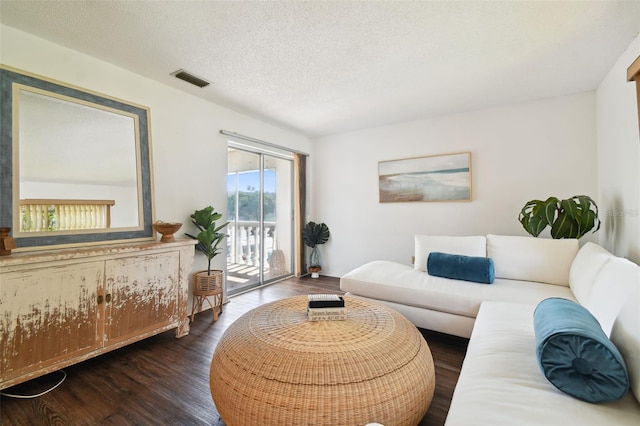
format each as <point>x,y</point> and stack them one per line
<point>189,154</point>
<point>619,158</point>
<point>518,152</point>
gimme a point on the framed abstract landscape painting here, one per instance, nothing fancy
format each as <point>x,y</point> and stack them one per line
<point>434,178</point>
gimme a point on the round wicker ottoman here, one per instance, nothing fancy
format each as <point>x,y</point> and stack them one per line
<point>274,367</point>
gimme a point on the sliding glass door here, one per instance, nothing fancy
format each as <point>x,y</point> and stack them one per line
<point>259,208</point>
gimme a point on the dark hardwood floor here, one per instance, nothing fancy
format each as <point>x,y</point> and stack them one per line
<point>165,381</point>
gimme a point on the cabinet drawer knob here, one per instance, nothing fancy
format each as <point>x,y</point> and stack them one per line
<point>100,299</point>
<point>107,298</point>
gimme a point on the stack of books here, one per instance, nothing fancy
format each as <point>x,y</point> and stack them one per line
<point>326,307</point>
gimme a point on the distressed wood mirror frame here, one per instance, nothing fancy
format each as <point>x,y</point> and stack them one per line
<point>12,80</point>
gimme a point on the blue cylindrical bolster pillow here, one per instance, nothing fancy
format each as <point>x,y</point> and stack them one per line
<point>575,355</point>
<point>458,267</point>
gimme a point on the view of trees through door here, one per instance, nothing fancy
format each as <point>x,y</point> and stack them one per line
<point>259,209</point>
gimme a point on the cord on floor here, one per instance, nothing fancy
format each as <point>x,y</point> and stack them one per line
<point>64,376</point>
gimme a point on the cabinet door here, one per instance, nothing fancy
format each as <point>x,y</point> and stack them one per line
<point>47,315</point>
<point>141,296</point>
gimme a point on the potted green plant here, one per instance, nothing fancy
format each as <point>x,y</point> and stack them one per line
<point>209,238</point>
<point>570,218</point>
<point>313,235</point>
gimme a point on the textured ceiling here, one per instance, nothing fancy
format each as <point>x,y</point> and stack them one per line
<point>322,67</point>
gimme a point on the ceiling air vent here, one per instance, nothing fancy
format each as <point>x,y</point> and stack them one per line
<point>190,78</point>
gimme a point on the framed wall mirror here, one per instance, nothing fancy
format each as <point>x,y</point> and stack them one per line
<point>75,166</point>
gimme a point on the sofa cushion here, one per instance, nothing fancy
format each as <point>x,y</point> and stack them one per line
<point>532,259</point>
<point>613,285</point>
<point>395,282</point>
<point>615,301</point>
<point>625,334</point>
<point>468,246</point>
<point>575,355</point>
<point>459,267</point>
<point>500,383</point>
<point>586,266</point>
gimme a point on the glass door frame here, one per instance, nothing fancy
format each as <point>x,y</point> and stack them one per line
<point>262,229</point>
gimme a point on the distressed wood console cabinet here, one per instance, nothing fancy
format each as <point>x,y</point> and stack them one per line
<point>60,307</point>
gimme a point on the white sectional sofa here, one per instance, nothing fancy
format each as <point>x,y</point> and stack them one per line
<point>500,381</point>
<point>527,270</point>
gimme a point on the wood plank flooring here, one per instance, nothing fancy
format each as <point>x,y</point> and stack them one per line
<point>165,381</point>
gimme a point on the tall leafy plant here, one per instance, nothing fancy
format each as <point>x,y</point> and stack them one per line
<point>209,236</point>
<point>570,218</point>
<point>314,234</point>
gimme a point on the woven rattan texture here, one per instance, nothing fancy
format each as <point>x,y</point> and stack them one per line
<point>274,367</point>
<point>208,284</point>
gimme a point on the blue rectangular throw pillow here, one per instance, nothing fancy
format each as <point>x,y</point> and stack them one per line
<point>459,267</point>
<point>575,355</point>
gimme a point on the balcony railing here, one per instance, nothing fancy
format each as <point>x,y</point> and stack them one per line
<point>62,215</point>
<point>244,245</point>
<point>244,252</point>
